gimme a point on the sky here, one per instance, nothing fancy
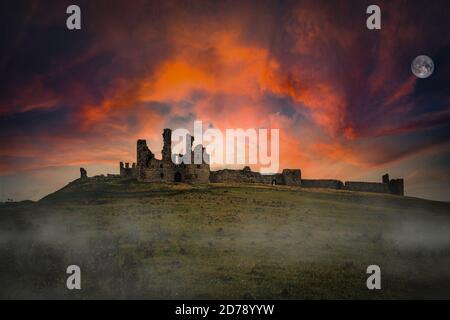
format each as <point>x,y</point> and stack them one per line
<point>344,98</point>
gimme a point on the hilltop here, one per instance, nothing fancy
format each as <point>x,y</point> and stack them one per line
<point>230,241</point>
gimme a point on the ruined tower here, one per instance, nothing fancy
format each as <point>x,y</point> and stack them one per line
<point>396,186</point>
<point>83,173</point>
<point>126,171</point>
<point>167,148</point>
<point>143,155</point>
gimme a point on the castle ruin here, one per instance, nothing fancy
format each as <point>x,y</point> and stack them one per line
<point>149,169</point>
<point>126,171</point>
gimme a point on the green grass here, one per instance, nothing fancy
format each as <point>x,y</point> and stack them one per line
<point>151,241</point>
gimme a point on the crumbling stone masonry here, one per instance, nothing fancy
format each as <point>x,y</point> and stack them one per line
<point>366,186</point>
<point>396,186</point>
<point>322,183</point>
<point>386,186</point>
<point>83,173</point>
<point>291,177</point>
<point>126,171</point>
<point>150,169</point>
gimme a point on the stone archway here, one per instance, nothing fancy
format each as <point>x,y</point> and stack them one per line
<point>177,177</point>
<point>274,182</point>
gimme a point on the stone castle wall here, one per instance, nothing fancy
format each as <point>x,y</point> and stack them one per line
<point>394,186</point>
<point>322,183</point>
<point>367,186</point>
<point>195,173</point>
<point>243,176</point>
<point>397,187</point>
<point>150,169</point>
<point>289,177</point>
<point>157,171</point>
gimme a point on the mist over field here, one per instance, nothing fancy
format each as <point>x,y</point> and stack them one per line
<point>150,241</point>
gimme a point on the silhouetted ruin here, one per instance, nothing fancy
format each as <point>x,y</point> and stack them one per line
<point>191,169</point>
<point>126,171</point>
<point>150,169</point>
<point>83,173</point>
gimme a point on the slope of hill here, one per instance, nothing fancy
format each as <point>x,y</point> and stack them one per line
<point>136,240</point>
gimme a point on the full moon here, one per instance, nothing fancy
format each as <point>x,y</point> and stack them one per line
<point>422,67</point>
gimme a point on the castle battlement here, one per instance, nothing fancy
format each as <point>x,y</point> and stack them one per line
<point>126,171</point>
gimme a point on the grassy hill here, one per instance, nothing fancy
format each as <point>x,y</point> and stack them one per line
<point>136,240</point>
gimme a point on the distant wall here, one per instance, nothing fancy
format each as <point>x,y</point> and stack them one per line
<point>292,177</point>
<point>397,187</point>
<point>367,186</point>
<point>243,176</point>
<point>289,177</point>
<point>322,183</point>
